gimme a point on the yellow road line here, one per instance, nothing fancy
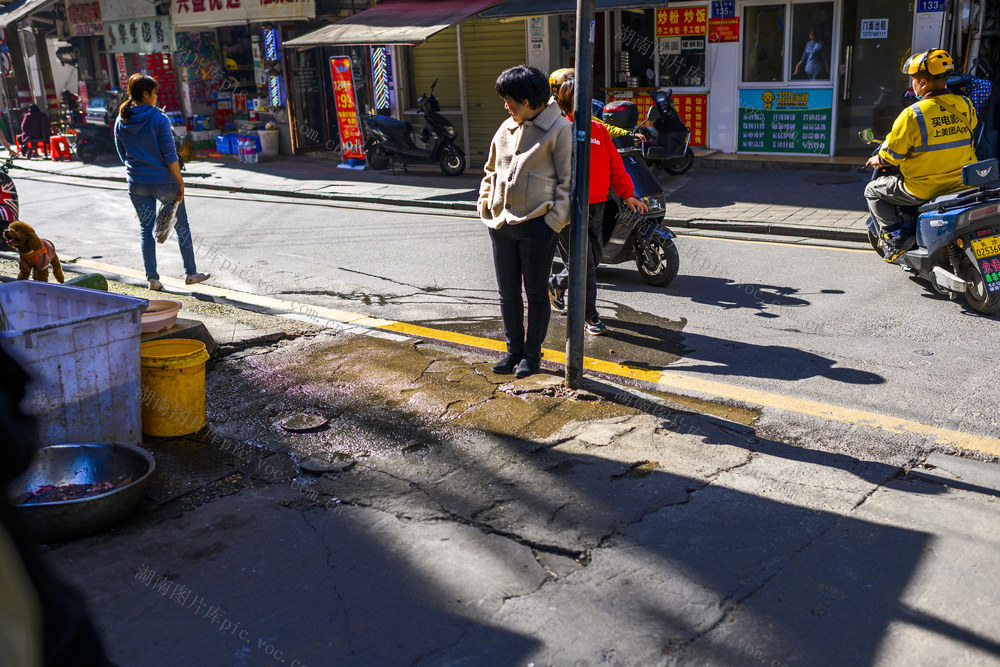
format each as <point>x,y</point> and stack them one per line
<point>667,380</point>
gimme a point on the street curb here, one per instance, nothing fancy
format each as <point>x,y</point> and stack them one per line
<point>359,199</point>
<point>709,162</point>
<point>774,229</point>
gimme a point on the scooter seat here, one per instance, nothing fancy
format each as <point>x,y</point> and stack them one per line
<point>390,123</point>
<point>942,201</point>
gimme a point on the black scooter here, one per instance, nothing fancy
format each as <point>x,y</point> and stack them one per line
<point>93,141</point>
<point>640,237</point>
<point>389,140</point>
<point>668,140</point>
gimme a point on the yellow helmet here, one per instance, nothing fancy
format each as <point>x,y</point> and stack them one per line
<point>935,62</point>
<point>559,77</point>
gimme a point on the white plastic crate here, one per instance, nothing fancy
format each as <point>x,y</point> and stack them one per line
<point>81,348</point>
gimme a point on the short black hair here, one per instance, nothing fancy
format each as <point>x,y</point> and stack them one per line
<point>524,84</point>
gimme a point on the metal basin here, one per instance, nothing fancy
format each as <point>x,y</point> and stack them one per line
<point>126,466</point>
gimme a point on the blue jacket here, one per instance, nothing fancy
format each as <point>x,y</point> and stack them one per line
<point>145,144</point>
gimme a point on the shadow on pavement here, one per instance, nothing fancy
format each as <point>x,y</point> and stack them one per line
<point>713,188</point>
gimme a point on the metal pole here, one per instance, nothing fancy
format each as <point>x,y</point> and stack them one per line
<point>579,196</point>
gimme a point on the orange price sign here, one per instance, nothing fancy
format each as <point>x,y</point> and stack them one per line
<point>351,140</point>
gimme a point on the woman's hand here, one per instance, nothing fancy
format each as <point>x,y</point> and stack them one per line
<point>636,205</point>
<point>175,169</point>
<point>180,192</point>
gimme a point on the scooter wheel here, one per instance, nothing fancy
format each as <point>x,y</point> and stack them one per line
<point>876,244</point>
<point>452,162</point>
<point>657,261</point>
<point>377,159</point>
<point>976,295</point>
<point>680,165</point>
<point>87,155</point>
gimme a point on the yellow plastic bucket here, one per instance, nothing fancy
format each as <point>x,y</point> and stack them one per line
<point>173,386</point>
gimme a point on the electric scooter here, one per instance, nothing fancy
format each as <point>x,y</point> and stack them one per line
<point>388,139</point>
<point>958,236</point>
<point>668,140</point>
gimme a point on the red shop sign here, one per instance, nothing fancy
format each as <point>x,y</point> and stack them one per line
<point>351,140</point>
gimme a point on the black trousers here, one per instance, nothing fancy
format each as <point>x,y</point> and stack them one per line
<point>522,254</point>
<point>595,253</point>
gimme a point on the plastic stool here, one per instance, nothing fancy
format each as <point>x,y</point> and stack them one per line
<point>59,147</point>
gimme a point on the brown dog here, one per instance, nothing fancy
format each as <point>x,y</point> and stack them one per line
<point>36,254</point>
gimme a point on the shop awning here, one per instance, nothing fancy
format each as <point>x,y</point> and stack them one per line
<point>524,8</point>
<point>394,22</point>
<point>19,10</point>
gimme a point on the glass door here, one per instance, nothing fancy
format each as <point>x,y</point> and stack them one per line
<point>876,42</point>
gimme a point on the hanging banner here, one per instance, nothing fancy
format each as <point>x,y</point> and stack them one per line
<point>689,22</point>
<point>122,72</point>
<point>149,35</point>
<point>351,140</point>
<point>209,13</point>
<point>786,121</point>
<point>693,110</point>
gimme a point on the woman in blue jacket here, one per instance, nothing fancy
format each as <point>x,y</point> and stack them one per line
<point>145,144</point>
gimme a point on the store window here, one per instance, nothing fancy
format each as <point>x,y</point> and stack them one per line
<point>765,59</point>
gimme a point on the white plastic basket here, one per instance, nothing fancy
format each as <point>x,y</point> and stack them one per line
<point>81,349</point>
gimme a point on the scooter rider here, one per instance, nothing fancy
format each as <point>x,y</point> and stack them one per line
<point>930,142</point>
<point>606,171</point>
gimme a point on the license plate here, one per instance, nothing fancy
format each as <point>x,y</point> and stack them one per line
<point>986,247</point>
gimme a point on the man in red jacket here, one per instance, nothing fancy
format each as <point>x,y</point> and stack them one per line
<point>606,171</point>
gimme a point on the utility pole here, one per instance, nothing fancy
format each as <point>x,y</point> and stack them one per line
<point>579,196</point>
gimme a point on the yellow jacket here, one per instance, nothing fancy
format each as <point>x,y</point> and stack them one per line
<point>931,144</point>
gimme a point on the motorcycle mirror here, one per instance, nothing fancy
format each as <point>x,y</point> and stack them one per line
<point>432,86</point>
<point>652,114</point>
<point>867,135</point>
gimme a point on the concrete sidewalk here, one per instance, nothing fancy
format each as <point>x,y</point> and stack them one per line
<point>448,516</point>
<point>779,197</point>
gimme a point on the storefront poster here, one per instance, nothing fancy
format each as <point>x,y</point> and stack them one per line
<point>693,110</point>
<point>122,72</point>
<point>686,22</point>
<point>874,28</point>
<point>723,30</point>
<point>785,121</point>
<point>83,18</point>
<point>351,139</point>
<point>149,35</point>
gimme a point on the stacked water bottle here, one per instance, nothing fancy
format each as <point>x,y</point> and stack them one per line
<point>247,150</point>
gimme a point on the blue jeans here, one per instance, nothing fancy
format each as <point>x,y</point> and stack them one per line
<point>144,197</point>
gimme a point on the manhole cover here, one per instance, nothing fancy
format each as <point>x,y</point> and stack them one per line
<point>303,423</point>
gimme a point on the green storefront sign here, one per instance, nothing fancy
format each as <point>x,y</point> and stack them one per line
<point>785,121</point>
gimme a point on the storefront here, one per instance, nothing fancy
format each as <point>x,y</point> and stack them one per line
<point>798,77</point>
<point>231,59</point>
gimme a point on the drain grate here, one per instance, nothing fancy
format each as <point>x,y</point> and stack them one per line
<point>187,463</point>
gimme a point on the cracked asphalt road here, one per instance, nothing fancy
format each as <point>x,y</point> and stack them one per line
<point>467,519</point>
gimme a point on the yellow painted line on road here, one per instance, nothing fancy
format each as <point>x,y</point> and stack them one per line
<point>667,380</point>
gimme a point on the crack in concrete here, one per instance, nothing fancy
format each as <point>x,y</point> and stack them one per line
<point>329,564</point>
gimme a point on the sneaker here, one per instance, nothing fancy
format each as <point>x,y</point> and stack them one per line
<point>195,278</point>
<point>156,285</point>
<point>896,243</point>
<point>557,298</point>
<point>595,327</point>
<point>507,365</point>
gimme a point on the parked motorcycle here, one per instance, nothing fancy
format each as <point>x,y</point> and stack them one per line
<point>9,208</point>
<point>388,139</point>
<point>93,141</point>
<point>668,140</point>
<point>641,237</point>
<point>958,236</point>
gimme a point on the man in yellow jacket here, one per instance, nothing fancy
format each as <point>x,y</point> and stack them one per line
<point>930,142</point>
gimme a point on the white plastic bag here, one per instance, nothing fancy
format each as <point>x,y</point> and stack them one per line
<point>165,221</point>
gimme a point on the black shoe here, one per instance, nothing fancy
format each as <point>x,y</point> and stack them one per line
<point>557,298</point>
<point>506,365</point>
<point>528,366</point>
<point>896,243</point>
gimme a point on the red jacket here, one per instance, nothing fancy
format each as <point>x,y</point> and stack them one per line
<point>606,167</point>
